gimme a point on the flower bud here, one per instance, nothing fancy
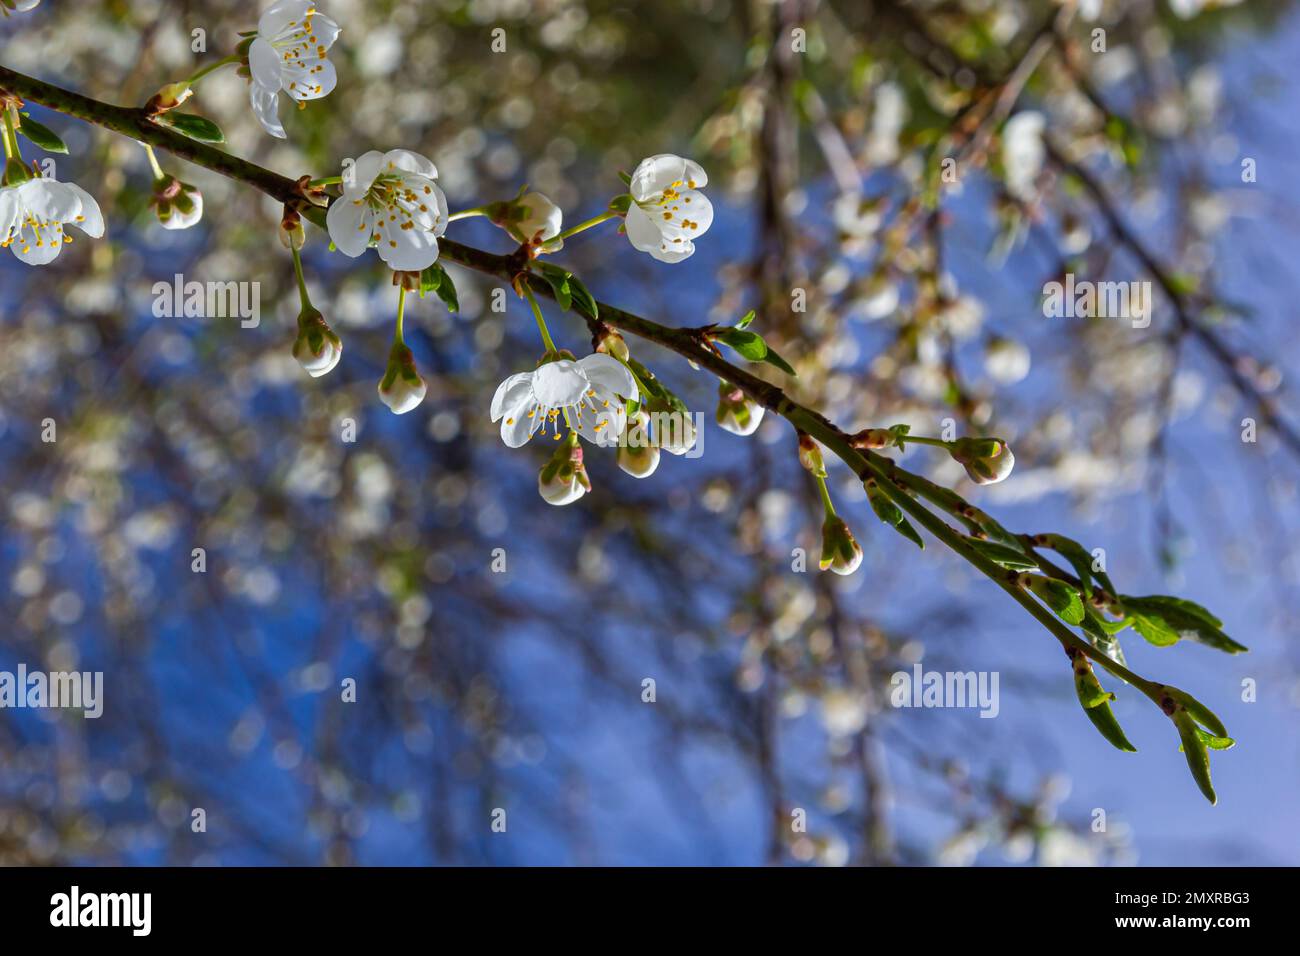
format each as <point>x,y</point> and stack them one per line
<point>637,455</point>
<point>168,98</point>
<point>611,343</point>
<point>401,388</point>
<point>292,235</point>
<point>317,348</point>
<point>873,438</point>
<point>987,460</point>
<point>810,455</point>
<point>841,552</point>
<point>532,219</point>
<point>16,172</point>
<point>737,412</point>
<point>563,480</point>
<point>177,205</point>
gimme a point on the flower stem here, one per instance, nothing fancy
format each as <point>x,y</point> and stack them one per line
<point>937,442</point>
<point>326,181</point>
<point>11,136</point>
<point>466,213</point>
<point>826,496</point>
<point>302,282</point>
<point>153,161</point>
<point>399,337</point>
<point>541,322</point>
<point>593,221</point>
<point>213,67</point>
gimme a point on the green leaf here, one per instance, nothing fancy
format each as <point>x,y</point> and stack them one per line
<point>1103,718</point>
<point>558,280</point>
<point>747,318</point>
<point>1080,558</point>
<point>1062,598</point>
<point>1002,555</point>
<point>192,125</point>
<point>442,284</point>
<point>1154,630</point>
<point>582,298</point>
<point>627,180</point>
<point>42,135</point>
<point>888,512</point>
<point>429,280</point>
<point>1197,754</point>
<point>771,358</point>
<point>1163,620</point>
<point>1213,742</point>
<point>1200,713</point>
<point>748,344</point>
<point>1096,703</point>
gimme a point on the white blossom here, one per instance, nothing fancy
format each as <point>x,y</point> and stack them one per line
<point>289,55</point>
<point>586,395</point>
<point>391,201</point>
<point>668,211</point>
<point>1023,153</point>
<point>33,214</point>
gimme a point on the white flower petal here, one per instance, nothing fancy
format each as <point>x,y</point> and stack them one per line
<point>265,64</point>
<point>608,374</point>
<point>278,18</point>
<point>560,384</point>
<point>349,222</point>
<point>407,250</point>
<point>91,220</point>
<point>675,252</point>
<point>403,395</point>
<point>510,392</point>
<point>37,252</point>
<point>411,162</point>
<point>641,231</point>
<point>49,199</point>
<point>310,82</point>
<point>9,212</point>
<point>266,107</point>
<point>518,425</point>
<point>359,176</point>
<point>656,173</point>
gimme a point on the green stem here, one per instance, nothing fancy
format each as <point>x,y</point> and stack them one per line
<point>826,495</point>
<point>158,173</point>
<point>541,322</point>
<point>302,282</point>
<point>12,150</point>
<point>466,213</point>
<point>937,442</point>
<point>213,67</point>
<point>325,181</point>
<point>399,337</point>
<point>593,221</point>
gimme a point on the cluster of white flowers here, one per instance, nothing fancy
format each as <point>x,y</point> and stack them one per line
<point>391,202</point>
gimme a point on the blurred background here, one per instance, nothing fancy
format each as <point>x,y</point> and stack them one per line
<point>820,125</point>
